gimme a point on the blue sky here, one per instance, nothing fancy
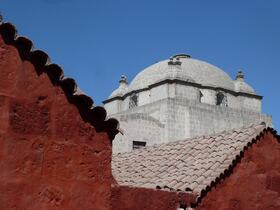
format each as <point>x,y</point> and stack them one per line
<point>97,41</point>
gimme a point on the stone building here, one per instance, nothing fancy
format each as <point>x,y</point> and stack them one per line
<point>181,98</point>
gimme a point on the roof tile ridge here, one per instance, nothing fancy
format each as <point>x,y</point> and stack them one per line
<point>95,115</point>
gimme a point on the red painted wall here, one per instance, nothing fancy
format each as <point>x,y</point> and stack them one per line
<point>254,183</point>
<point>49,157</point>
<point>129,198</point>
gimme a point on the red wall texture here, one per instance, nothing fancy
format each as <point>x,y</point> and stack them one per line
<point>49,157</point>
<point>128,198</point>
<point>254,183</point>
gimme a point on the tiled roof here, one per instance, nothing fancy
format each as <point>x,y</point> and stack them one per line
<point>189,165</point>
<point>95,115</point>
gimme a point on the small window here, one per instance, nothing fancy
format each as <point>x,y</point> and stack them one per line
<point>138,144</point>
<point>200,96</point>
<point>133,100</point>
<point>221,99</point>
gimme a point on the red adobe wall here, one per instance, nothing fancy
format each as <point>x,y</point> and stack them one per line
<point>129,198</point>
<point>49,157</point>
<point>254,183</point>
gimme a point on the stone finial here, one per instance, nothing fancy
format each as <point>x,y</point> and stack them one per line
<point>123,80</point>
<point>240,76</point>
<point>172,62</point>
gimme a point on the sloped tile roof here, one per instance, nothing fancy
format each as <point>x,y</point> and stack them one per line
<point>189,165</point>
<point>95,115</point>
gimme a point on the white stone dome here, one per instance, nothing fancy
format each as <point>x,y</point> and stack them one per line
<point>118,92</point>
<point>191,70</point>
<point>122,89</point>
<point>243,87</point>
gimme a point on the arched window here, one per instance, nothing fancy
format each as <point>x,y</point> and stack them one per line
<point>133,100</point>
<point>221,99</point>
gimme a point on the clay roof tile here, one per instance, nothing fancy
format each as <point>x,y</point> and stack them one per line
<point>184,164</point>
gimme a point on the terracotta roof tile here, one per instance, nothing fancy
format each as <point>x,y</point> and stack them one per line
<point>192,163</point>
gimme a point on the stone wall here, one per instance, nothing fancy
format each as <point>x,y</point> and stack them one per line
<point>114,107</point>
<point>180,118</point>
<point>254,182</point>
<point>208,119</point>
<point>50,158</point>
<point>135,126</point>
<point>188,92</point>
<point>144,123</point>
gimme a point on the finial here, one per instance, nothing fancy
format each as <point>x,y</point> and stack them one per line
<point>123,79</point>
<point>240,75</point>
<point>172,62</point>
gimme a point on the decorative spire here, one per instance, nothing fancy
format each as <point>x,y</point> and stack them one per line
<point>176,62</point>
<point>240,76</point>
<point>123,81</point>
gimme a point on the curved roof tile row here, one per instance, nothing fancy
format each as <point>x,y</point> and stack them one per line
<point>195,164</point>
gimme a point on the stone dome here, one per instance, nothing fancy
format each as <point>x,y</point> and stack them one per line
<point>118,92</point>
<point>122,89</point>
<point>185,68</point>
<point>241,86</point>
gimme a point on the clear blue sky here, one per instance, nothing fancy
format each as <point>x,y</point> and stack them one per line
<point>97,41</point>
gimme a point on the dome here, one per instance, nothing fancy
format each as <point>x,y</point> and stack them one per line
<point>185,68</point>
<point>122,89</point>
<point>243,87</point>
<point>118,92</point>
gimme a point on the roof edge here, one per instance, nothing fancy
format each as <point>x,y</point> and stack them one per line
<point>95,115</point>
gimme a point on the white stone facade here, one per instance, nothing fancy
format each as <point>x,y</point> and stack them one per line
<point>175,99</point>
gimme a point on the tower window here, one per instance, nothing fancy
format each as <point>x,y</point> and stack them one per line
<point>221,99</point>
<point>133,100</point>
<point>138,144</point>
